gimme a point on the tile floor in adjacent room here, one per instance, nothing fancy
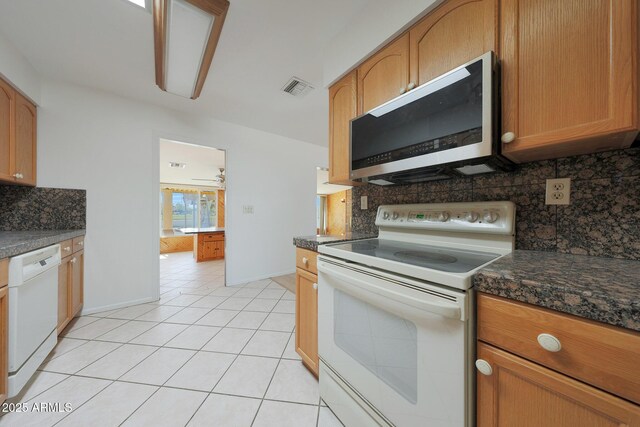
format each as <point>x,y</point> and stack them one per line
<point>203,355</point>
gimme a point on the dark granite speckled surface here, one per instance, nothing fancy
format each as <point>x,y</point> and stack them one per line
<point>603,218</point>
<point>312,242</point>
<point>18,242</point>
<point>29,208</point>
<point>602,289</point>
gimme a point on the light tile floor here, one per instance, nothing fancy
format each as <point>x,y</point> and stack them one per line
<point>203,355</point>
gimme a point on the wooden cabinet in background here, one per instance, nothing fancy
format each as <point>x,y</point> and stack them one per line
<point>384,76</point>
<point>208,246</point>
<point>4,325</point>
<point>538,367</point>
<point>307,308</point>
<point>343,106</point>
<point>307,318</point>
<point>569,76</point>
<point>451,35</point>
<point>18,126</point>
<point>70,281</point>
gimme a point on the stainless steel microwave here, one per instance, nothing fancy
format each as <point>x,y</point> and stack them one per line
<point>444,128</point>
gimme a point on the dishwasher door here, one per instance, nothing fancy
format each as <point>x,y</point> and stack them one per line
<point>33,312</point>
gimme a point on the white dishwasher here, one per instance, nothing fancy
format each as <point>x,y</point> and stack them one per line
<point>33,312</point>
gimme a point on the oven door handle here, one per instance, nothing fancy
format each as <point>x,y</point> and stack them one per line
<point>361,289</point>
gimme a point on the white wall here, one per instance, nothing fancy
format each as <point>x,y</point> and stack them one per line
<point>109,146</point>
<point>15,68</point>
<point>373,27</point>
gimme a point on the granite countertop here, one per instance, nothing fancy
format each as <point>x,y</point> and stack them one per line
<point>202,230</point>
<point>312,242</point>
<point>602,289</point>
<point>18,242</point>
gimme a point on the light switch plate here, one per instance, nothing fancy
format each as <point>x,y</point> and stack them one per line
<point>247,209</point>
<point>558,191</point>
<point>364,203</point>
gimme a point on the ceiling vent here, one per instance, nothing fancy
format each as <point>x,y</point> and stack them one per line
<point>297,87</point>
<point>177,165</point>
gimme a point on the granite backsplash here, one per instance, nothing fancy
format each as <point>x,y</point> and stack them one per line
<point>602,219</point>
<point>29,208</point>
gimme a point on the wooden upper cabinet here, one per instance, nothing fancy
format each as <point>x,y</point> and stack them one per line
<point>385,75</point>
<point>453,34</point>
<point>569,76</point>
<point>25,141</point>
<point>342,108</point>
<point>521,393</point>
<point>7,110</point>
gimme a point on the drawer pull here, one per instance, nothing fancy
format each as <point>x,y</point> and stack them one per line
<point>73,261</point>
<point>305,261</point>
<point>549,342</point>
<point>80,243</point>
<point>508,137</point>
<point>315,286</point>
<point>67,249</point>
<point>484,367</point>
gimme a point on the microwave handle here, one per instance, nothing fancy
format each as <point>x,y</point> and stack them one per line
<point>360,288</point>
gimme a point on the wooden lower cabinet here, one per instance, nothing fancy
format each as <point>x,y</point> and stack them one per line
<point>208,246</point>
<point>521,393</point>
<point>307,318</point>
<point>70,288</point>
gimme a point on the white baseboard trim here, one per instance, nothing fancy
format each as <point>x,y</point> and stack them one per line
<point>88,311</point>
<point>262,277</point>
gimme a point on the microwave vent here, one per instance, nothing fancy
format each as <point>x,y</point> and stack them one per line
<point>297,87</point>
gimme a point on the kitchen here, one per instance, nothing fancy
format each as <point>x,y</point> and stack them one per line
<point>511,223</point>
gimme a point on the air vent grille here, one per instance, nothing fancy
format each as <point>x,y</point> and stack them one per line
<point>297,87</point>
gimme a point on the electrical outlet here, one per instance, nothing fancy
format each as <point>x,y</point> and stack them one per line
<point>364,205</point>
<point>558,191</point>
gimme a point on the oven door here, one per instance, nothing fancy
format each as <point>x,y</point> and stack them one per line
<point>403,347</point>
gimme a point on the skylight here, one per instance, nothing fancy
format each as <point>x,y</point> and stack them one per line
<point>140,3</point>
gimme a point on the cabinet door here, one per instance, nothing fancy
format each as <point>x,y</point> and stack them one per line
<point>25,141</point>
<point>218,250</point>
<point>569,76</point>
<point>64,292</point>
<point>453,34</point>
<point>4,350</point>
<point>307,318</point>
<point>343,104</point>
<point>384,76</point>
<point>7,121</point>
<point>77,282</point>
<point>521,393</point>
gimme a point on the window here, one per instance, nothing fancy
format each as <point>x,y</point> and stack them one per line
<point>184,209</point>
<point>321,214</point>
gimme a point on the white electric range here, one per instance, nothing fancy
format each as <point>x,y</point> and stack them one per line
<point>396,332</point>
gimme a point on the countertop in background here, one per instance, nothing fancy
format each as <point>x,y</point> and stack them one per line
<point>202,230</point>
<point>312,242</point>
<point>18,242</point>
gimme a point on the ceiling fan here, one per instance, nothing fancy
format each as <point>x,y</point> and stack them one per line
<point>220,178</point>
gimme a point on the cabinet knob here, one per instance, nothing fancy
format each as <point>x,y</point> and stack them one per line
<point>18,175</point>
<point>80,243</point>
<point>315,286</point>
<point>403,90</point>
<point>484,367</point>
<point>549,343</point>
<point>411,86</point>
<point>67,249</point>
<point>73,260</point>
<point>508,137</point>
<point>305,261</point>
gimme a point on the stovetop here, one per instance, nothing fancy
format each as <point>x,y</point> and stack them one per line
<point>421,255</point>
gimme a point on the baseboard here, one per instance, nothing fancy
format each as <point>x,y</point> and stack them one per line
<point>86,312</point>
<point>255,279</point>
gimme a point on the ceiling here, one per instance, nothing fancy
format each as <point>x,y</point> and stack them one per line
<point>202,163</point>
<point>108,45</point>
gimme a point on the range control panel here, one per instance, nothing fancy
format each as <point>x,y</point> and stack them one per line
<point>481,217</point>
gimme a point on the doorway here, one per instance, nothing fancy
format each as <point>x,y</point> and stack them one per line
<point>192,220</point>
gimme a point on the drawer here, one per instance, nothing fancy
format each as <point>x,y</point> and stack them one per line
<point>78,244</point>
<point>601,355</point>
<point>4,272</point>
<point>307,260</point>
<point>213,237</point>
<point>66,248</point>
